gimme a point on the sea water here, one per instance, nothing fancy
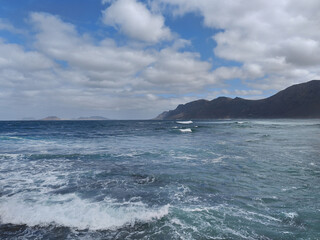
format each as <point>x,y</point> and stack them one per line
<point>219,179</point>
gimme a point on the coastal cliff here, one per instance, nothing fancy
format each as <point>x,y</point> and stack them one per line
<point>298,101</point>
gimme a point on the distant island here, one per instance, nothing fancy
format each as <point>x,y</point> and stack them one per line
<point>298,101</point>
<point>51,118</point>
<point>55,118</point>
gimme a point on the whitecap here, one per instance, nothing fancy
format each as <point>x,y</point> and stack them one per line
<point>290,215</point>
<point>184,122</point>
<point>187,130</point>
<point>288,189</point>
<point>217,159</point>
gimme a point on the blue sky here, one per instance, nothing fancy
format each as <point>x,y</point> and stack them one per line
<point>130,59</point>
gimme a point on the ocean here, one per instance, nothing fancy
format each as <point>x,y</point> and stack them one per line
<point>213,179</point>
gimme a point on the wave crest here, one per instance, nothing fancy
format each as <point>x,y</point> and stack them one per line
<point>71,211</point>
<point>184,122</point>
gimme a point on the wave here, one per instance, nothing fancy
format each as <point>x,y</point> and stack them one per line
<point>10,138</point>
<point>143,179</point>
<point>187,130</point>
<point>234,211</point>
<point>287,122</point>
<point>13,156</point>
<point>292,218</point>
<point>195,219</point>
<point>71,211</point>
<point>184,122</point>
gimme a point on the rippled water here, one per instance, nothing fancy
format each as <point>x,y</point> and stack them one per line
<point>249,179</point>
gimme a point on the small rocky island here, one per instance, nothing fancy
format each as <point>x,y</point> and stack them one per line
<point>298,101</point>
<point>51,118</point>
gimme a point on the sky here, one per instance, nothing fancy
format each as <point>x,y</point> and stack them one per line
<point>131,59</point>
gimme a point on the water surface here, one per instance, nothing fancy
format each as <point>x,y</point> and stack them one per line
<point>224,179</point>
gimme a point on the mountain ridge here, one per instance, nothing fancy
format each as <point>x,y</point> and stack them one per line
<point>297,101</point>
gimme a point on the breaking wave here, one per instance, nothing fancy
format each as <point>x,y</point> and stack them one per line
<point>71,211</point>
<point>184,122</point>
<point>187,130</point>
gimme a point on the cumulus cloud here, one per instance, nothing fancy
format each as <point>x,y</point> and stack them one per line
<point>135,20</point>
<point>177,72</point>
<point>102,64</point>
<point>111,66</point>
<point>12,56</point>
<point>68,70</point>
<point>276,39</point>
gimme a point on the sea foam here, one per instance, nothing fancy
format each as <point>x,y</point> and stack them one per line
<point>187,130</point>
<point>184,122</point>
<point>71,211</point>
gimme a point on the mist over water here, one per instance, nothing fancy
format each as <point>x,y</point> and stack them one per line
<point>223,179</point>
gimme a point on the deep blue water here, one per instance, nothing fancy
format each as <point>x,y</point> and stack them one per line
<point>249,179</point>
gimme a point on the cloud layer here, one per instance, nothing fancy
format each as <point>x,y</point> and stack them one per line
<point>69,73</point>
<point>277,41</point>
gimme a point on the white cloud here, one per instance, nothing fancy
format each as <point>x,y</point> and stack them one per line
<point>104,64</point>
<point>12,56</point>
<point>135,20</point>
<point>110,66</point>
<point>278,39</point>
<point>70,73</point>
<point>177,72</point>
<point>247,92</point>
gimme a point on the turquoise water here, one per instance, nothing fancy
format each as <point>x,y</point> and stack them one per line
<point>248,179</point>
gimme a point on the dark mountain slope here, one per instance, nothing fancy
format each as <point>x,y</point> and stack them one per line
<point>298,101</point>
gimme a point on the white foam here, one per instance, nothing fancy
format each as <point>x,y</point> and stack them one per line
<point>199,221</point>
<point>71,211</point>
<point>176,221</point>
<point>288,189</point>
<point>217,159</point>
<point>187,130</point>
<point>181,192</point>
<point>217,122</point>
<point>290,215</point>
<point>185,157</point>
<point>184,122</point>
<point>236,212</point>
